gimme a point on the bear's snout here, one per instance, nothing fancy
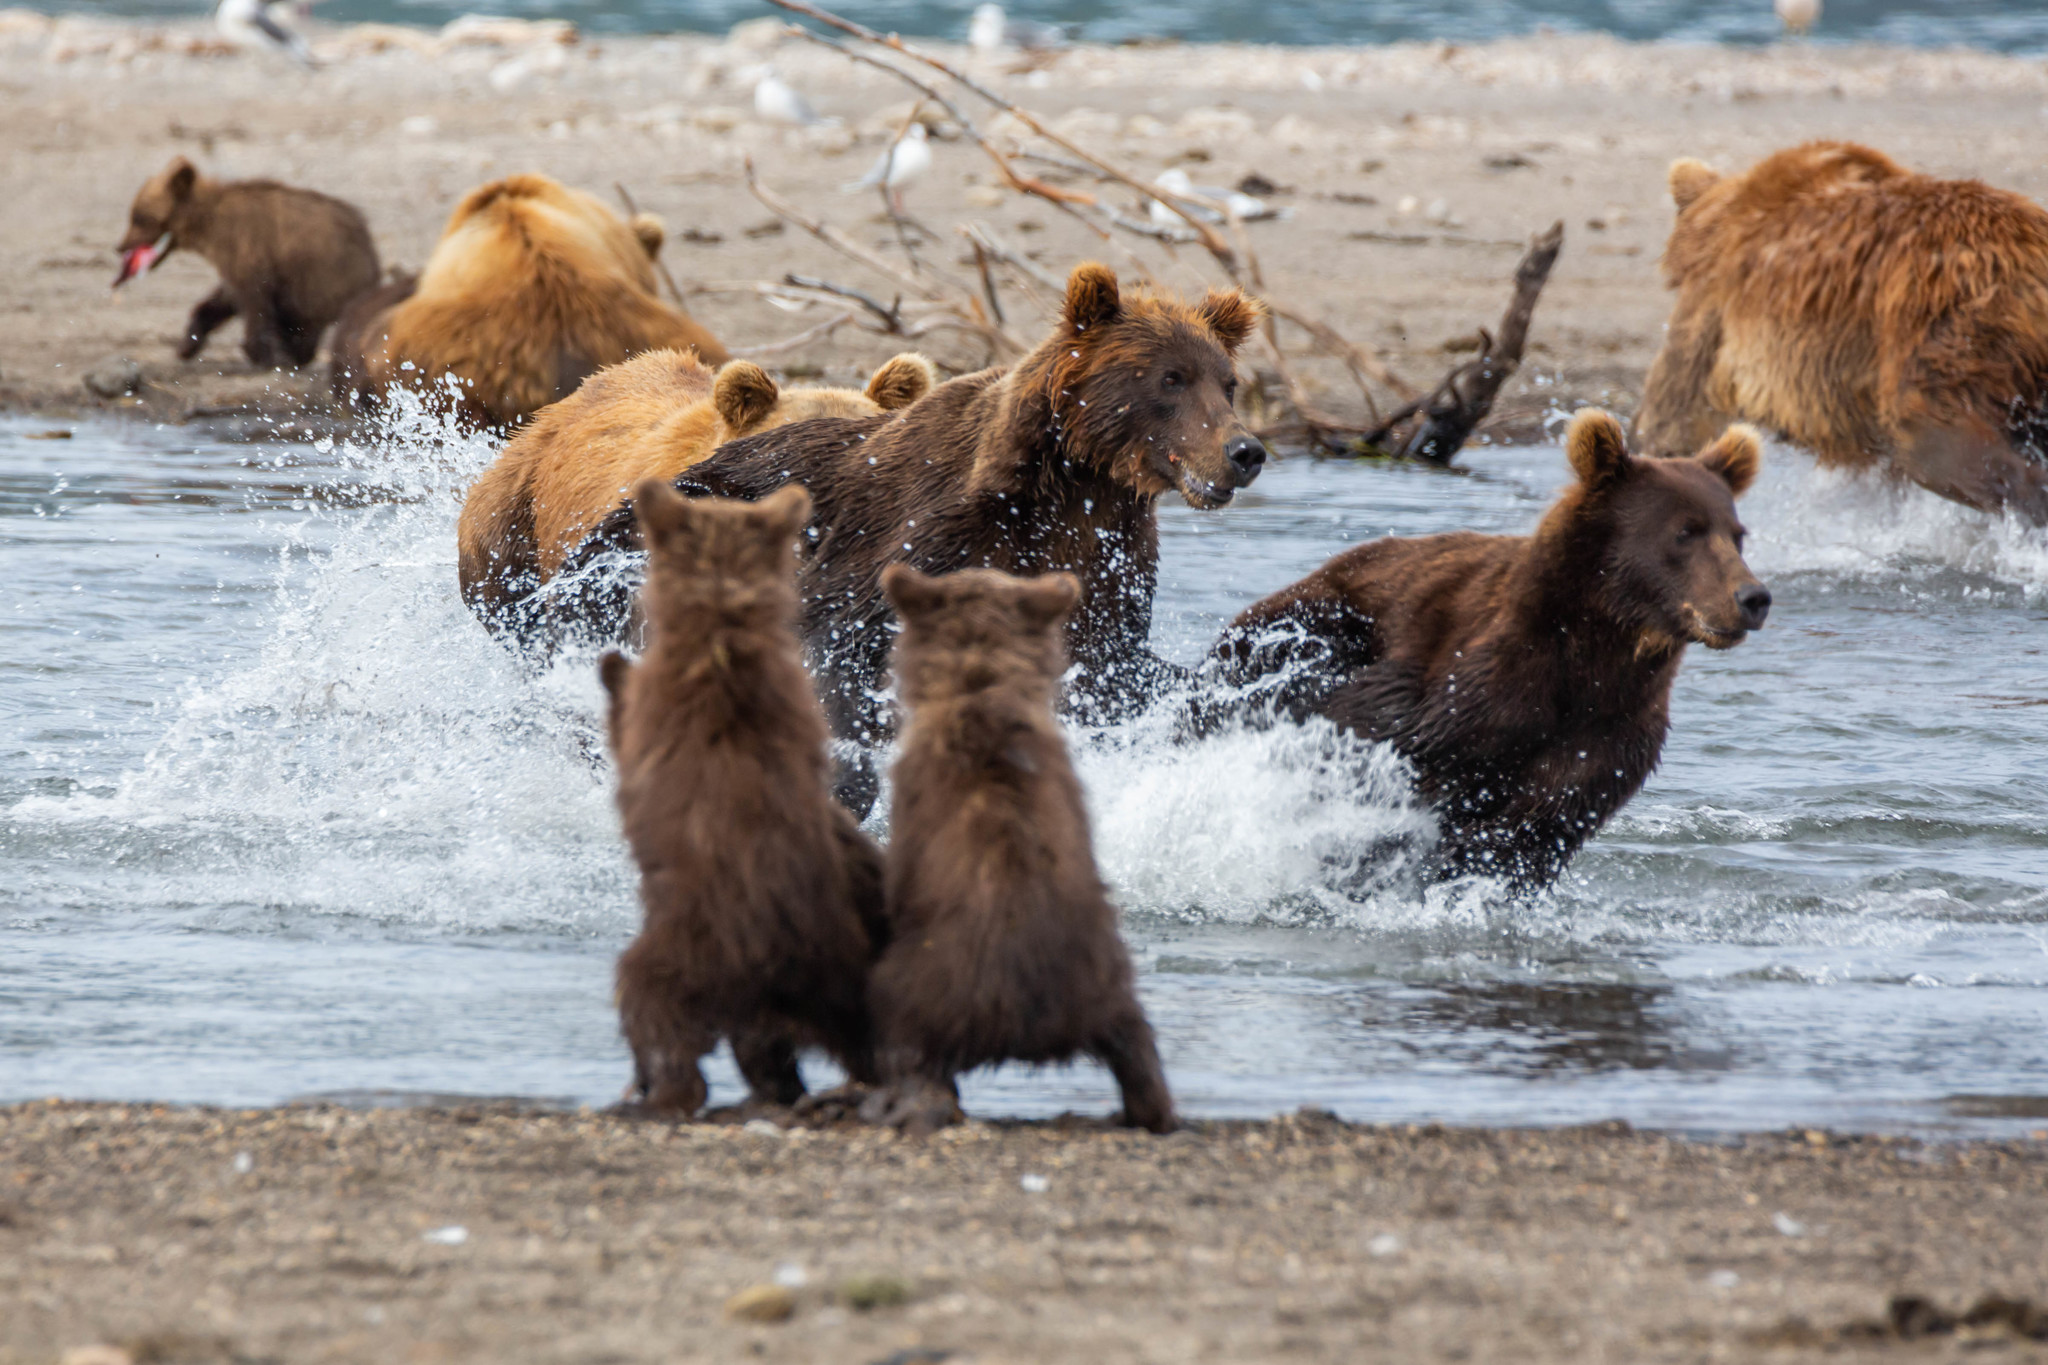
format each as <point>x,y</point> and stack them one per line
<point>1247,456</point>
<point>1753,599</point>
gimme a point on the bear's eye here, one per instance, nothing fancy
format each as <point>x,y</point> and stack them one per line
<point>1230,390</point>
<point>1173,379</point>
<point>1691,531</point>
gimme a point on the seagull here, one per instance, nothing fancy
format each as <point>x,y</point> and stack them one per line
<point>1797,15</point>
<point>263,25</point>
<point>1175,182</point>
<point>991,31</point>
<point>907,158</point>
<point>780,102</point>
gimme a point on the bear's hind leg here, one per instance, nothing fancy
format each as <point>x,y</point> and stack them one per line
<point>1128,1050</point>
<point>767,1059</point>
<point>916,1105</point>
<point>667,1036</point>
<point>1976,468</point>
<point>207,315</point>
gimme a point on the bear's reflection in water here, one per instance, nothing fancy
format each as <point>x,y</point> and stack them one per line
<point>1521,1028</point>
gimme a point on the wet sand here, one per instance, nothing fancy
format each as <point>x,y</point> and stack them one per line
<point>323,1234</point>
<point>1500,139</point>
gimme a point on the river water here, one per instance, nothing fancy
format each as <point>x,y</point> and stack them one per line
<point>276,818</point>
<point>2006,25</point>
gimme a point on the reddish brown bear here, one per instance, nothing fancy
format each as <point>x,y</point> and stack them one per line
<point>763,900</point>
<point>1880,318</point>
<point>1003,944</point>
<point>1054,464</point>
<point>289,259</point>
<point>1526,678</point>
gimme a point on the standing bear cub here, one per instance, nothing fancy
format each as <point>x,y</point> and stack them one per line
<point>1056,463</point>
<point>650,417</point>
<point>290,260</point>
<point>1526,678</point>
<point>763,900</point>
<point>1003,944</point>
<point>1880,318</point>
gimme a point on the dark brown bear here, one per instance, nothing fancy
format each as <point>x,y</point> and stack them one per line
<point>289,259</point>
<point>1004,947</point>
<point>763,900</point>
<point>1526,678</point>
<point>1054,464</point>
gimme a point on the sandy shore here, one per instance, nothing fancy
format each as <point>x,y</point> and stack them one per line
<point>320,1234</point>
<point>1501,138</point>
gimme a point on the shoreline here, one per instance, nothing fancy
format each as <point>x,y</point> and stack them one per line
<point>1412,175</point>
<point>482,1233</point>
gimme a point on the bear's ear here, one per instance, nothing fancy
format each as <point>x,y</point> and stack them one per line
<point>784,512</point>
<point>660,510</point>
<point>1735,457</point>
<point>613,670</point>
<point>649,231</point>
<point>1594,443</point>
<point>179,178</point>
<point>912,594</point>
<point>1230,315</point>
<point>744,395</point>
<point>1092,297</point>
<point>1689,179</point>
<point>901,381</point>
<point>1046,599</point>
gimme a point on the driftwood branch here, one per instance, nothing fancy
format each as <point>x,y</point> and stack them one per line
<point>795,343</point>
<point>632,211</point>
<point>891,317</point>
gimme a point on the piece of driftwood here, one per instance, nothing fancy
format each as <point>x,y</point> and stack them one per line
<point>1434,428</point>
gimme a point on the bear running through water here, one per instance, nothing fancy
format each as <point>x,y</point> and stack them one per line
<point>1527,678</point>
<point>1056,463</point>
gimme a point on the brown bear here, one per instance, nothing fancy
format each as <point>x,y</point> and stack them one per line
<point>649,417</point>
<point>290,260</point>
<point>1056,463</point>
<point>1527,679</point>
<point>763,900</point>
<point>1875,316</point>
<point>1003,944</point>
<point>532,288</point>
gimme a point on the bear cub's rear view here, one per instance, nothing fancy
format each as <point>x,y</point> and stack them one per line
<point>1003,943</point>
<point>762,897</point>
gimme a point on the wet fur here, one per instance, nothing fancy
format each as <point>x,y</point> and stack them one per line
<point>532,288</point>
<point>290,260</point>
<point>1877,317</point>
<point>763,900</point>
<point>1004,945</point>
<point>1054,464</point>
<point>649,417</point>
<point>1526,678</point>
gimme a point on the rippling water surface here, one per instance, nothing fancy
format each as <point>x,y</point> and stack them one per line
<point>277,818</point>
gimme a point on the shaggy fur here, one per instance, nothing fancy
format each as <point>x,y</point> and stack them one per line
<point>1875,316</point>
<point>763,900</point>
<point>290,260</point>
<point>1526,678</point>
<point>1054,464</point>
<point>650,417</point>
<point>532,288</point>
<point>1004,946</point>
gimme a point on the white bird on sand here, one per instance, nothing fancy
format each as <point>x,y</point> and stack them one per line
<point>991,31</point>
<point>907,158</point>
<point>1797,15</point>
<point>264,25</point>
<point>780,102</point>
<point>1175,182</point>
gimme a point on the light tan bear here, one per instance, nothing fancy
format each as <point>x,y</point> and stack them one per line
<point>532,288</point>
<point>1878,317</point>
<point>651,417</point>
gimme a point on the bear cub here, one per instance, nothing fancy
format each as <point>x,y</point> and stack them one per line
<point>290,260</point>
<point>763,899</point>
<point>1526,678</point>
<point>1004,945</point>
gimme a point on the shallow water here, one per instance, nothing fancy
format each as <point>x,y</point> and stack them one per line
<point>276,818</point>
<point>2006,25</point>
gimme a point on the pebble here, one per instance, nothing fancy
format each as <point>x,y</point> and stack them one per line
<point>762,1303</point>
<point>1383,1246</point>
<point>1033,1183</point>
<point>454,1235</point>
<point>115,377</point>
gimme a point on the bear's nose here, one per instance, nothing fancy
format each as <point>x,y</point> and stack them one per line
<point>1755,601</point>
<point>1247,456</point>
